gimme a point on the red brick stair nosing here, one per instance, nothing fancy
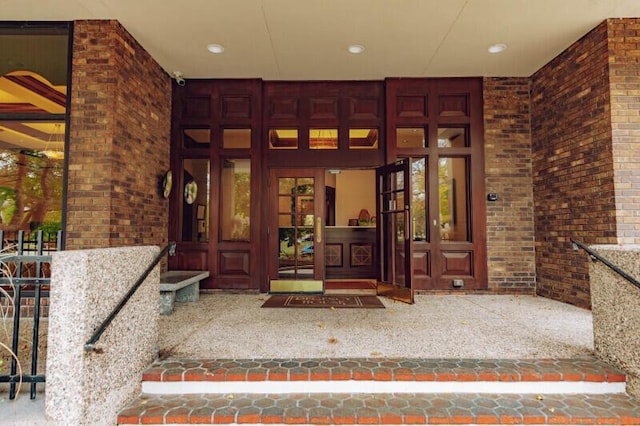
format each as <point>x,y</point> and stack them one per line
<point>363,408</point>
<point>378,369</point>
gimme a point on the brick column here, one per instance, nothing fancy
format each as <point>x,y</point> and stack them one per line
<point>572,162</point>
<point>507,142</point>
<point>119,140</point>
<point>624,80</point>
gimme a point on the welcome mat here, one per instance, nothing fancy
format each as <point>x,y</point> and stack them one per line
<point>322,301</point>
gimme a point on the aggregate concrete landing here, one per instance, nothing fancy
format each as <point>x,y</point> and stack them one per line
<point>436,326</point>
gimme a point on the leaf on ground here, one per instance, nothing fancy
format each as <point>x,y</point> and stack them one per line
<point>333,308</point>
<point>321,325</point>
<point>229,396</point>
<point>332,340</point>
<point>539,397</point>
<point>376,354</point>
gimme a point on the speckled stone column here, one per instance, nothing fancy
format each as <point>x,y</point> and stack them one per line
<point>616,311</point>
<point>89,388</point>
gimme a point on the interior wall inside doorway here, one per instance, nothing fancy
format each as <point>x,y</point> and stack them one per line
<point>355,191</point>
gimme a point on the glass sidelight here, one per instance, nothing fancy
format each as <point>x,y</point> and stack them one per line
<point>195,200</point>
<point>452,199</point>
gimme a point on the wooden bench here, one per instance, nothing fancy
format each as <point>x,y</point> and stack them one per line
<point>179,286</point>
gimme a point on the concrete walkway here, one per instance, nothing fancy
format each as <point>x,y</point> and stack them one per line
<point>234,326</point>
<point>448,326</point>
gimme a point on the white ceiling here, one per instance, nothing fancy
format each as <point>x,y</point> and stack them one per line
<point>307,39</point>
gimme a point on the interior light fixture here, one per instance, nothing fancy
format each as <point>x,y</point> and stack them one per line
<point>355,49</point>
<point>215,48</point>
<point>497,48</point>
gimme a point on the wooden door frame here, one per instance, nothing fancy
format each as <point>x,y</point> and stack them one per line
<point>319,213</point>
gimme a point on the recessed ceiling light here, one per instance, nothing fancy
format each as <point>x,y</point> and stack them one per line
<point>215,48</point>
<point>497,48</point>
<point>355,49</point>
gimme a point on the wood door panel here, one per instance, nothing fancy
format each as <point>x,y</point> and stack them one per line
<point>234,263</point>
<point>456,263</point>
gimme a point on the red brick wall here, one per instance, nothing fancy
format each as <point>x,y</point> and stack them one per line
<point>624,79</point>
<point>572,163</point>
<point>507,141</point>
<point>119,140</point>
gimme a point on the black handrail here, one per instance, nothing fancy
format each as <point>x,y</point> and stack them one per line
<point>91,343</point>
<point>595,256</point>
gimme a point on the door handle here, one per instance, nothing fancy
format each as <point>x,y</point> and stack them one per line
<point>407,233</point>
<point>318,229</point>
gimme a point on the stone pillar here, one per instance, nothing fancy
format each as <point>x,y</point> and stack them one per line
<point>616,311</point>
<point>89,388</point>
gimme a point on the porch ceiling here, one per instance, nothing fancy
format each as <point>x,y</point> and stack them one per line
<point>307,40</point>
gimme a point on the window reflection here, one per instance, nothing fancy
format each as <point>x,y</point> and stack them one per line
<point>452,137</point>
<point>323,138</point>
<point>452,195</point>
<point>413,137</point>
<point>363,138</point>
<point>283,139</point>
<point>195,200</point>
<point>235,204</point>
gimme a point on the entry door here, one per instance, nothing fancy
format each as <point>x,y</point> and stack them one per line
<point>296,231</point>
<point>393,183</point>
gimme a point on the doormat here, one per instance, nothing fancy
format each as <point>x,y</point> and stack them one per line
<point>322,301</point>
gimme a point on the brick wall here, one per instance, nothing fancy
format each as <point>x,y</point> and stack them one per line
<point>624,79</point>
<point>507,141</point>
<point>572,163</point>
<point>119,140</point>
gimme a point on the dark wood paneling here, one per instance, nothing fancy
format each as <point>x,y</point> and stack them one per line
<point>453,105</point>
<point>236,107</point>
<point>323,108</point>
<point>352,252</point>
<point>411,106</point>
<point>196,107</point>
<point>364,109</point>
<point>234,263</point>
<point>283,108</point>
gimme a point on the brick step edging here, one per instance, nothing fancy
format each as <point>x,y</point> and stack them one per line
<point>383,369</point>
<point>363,408</point>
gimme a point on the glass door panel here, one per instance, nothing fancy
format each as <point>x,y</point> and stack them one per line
<point>394,231</point>
<point>298,224</point>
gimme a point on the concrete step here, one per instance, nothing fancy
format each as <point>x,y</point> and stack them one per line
<point>382,391</point>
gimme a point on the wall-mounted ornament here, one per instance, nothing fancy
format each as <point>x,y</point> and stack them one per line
<point>167,182</point>
<point>190,192</point>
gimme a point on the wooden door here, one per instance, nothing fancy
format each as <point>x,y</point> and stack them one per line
<point>296,231</point>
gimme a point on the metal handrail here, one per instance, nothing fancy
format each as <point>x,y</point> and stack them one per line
<point>595,256</point>
<point>91,343</point>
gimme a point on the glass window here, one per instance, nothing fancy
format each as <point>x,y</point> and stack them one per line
<point>363,138</point>
<point>33,97</point>
<point>283,139</point>
<point>196,138</point>
<point>236,138</point>
<point>323,138</point>
<point>452,137</point>
<point>453,198</point>
<point>411,137</point>
<point>419,199</point>
<point>235,204</point>
<point>195,200</point>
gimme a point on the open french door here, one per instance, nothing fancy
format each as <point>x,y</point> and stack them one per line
<point>393,192</point>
